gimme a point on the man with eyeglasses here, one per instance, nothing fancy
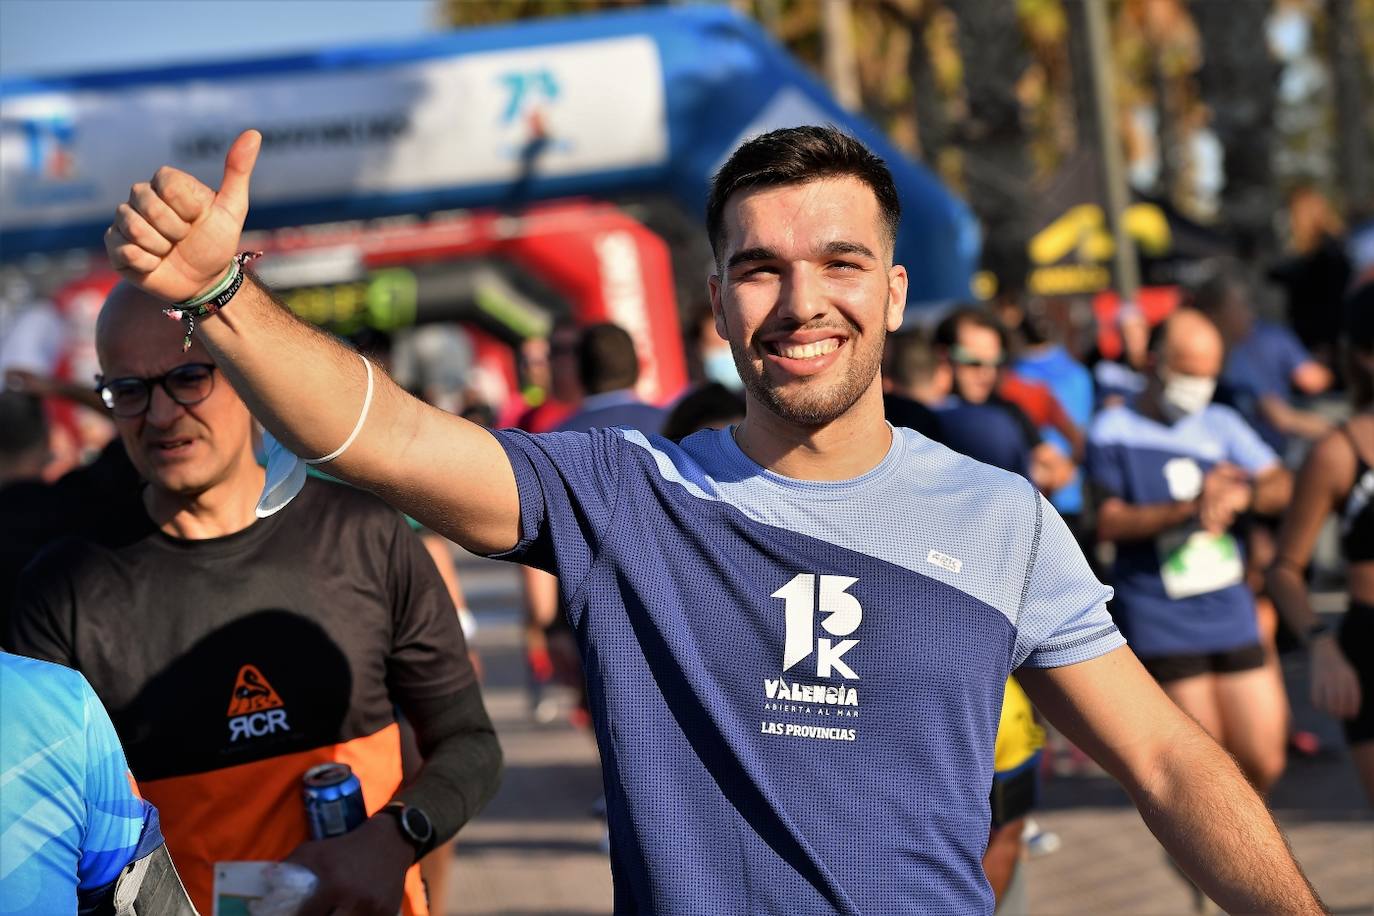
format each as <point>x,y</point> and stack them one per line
<point>234,652</point>
<point>977,420</point>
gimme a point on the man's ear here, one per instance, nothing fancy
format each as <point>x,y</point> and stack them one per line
<point>896,297</point>
<point>717,308</point>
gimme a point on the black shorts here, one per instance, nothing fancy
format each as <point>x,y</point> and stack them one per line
<point>1356,639</point>
<point>1166,668</point>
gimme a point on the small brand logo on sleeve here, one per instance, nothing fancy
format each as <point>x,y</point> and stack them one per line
<point>945,561</point>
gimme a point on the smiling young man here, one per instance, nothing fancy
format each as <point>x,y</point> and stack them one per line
<point>796,632</point>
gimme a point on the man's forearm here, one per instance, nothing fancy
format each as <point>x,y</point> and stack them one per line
<point>462,760</point>
<point>1121,521</point>
<point>1292,421</point>
<point>1273,490</point>
<point>1202,809</point>
<point>1289,593</point>
<point>303,385</point>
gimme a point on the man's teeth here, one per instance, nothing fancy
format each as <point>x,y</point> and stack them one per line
<point>809,351</point>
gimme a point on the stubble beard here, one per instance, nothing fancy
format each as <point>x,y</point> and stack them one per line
<point>818,403</point>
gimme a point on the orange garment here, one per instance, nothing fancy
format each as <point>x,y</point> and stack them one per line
<point>255,812</point>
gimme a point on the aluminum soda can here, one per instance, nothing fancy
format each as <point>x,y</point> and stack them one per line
<point>333,800</point>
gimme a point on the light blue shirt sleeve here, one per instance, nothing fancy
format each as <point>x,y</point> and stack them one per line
<point>1244,447</point>
<point>114,812</point>
<point>1064,617</point>
<point>70,819</point>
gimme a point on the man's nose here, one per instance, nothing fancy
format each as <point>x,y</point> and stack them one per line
<point>162,410</point>
<point>801,296</point>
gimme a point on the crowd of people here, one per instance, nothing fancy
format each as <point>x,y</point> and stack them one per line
<point>1178,478</point>
<point>807,605</point>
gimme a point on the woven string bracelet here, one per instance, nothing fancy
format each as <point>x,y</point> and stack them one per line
<point>211,302</point>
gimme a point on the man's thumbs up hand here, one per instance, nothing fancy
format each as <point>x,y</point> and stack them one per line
<point>174,237</point>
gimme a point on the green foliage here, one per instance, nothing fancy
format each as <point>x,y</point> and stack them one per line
<point>485,12</point>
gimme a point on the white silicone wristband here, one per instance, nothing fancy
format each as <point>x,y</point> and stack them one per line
<point>362,417</point>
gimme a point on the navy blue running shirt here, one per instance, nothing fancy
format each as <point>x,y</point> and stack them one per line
<point>796,685</point>
<point>1182,592</point>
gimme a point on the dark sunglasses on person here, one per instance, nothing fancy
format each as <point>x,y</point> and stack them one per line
<point>129,397</point>
<point>961,357</point>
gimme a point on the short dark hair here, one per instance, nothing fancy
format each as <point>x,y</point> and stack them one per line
<point>910,359</point>
<point>606,359</point>
<point>947,331</point>
<point>1212,295</point>
<point>797,155</point>
<point>23,425</point>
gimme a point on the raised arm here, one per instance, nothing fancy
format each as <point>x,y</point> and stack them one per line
<point>175,238</point>
<point>1189,791</point>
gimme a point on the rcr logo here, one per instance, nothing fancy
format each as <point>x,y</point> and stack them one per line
<point>255,708</point>
<point>844,615</point>
<point>258,724</point>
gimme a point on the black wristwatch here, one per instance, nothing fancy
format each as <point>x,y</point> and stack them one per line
<point>415,826</point>
<point>1320,628</point>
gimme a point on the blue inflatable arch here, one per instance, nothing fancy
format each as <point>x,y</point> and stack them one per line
<point>599,105</point>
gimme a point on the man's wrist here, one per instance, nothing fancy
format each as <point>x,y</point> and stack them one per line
<point>218,279</point>
<point>412,825</point>
<point>1321,637</point>
<point>392,845</point>
<point>1248,505</point>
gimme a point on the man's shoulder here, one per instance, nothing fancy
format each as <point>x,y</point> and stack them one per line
<point>932,465</point>
<point>335,500</point>
<point>1115,425</point>
<point>39,679</point>
<point>1272,331</point>
<point>1222,421</point>
<point>632,414</point>
<point>71,558</point>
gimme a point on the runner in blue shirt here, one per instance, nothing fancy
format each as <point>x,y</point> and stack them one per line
<point>1266,366</point>
<point>796,632</point>
<point>1173,472</point>
<point>70,820</point>
<point>1041,359</point>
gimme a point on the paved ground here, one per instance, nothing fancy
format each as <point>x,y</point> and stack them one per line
<point>536,848</point>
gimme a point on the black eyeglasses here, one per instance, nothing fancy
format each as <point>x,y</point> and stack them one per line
<point>186,384</point>
<point>961,357</point>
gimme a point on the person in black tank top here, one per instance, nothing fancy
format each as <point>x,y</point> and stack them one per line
<point>1338,477</point>
<point>1357,511</point>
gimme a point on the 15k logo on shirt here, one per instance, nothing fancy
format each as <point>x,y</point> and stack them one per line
<point>255,709</point>
<point>805,598</point>
<point>843,617</point>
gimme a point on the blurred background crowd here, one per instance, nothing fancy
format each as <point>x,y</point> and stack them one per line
<point>1156,210</point>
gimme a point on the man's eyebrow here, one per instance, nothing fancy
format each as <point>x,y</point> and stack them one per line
<point>759,253</point>
<point>751,254</point>
<point>845,247</point>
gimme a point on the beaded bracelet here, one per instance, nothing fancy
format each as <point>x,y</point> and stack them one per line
<point>207,304</point>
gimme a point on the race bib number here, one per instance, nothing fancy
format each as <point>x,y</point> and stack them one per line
<point>1196,562</point>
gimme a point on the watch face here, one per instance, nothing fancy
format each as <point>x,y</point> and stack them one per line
<point>416,823</point>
